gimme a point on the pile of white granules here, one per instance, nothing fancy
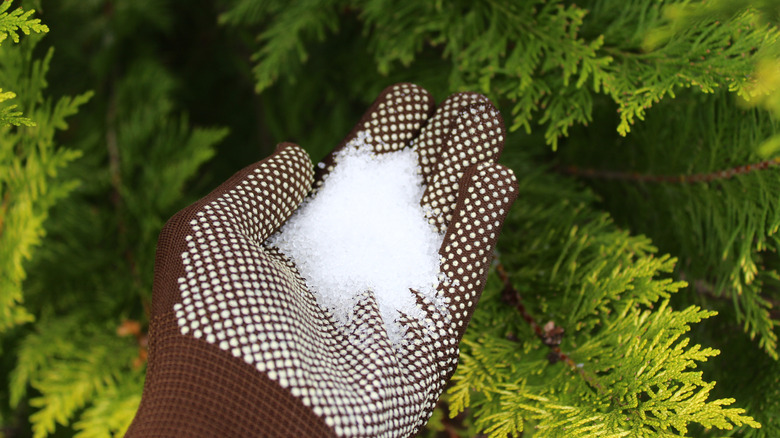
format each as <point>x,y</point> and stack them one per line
<point>365,230</point>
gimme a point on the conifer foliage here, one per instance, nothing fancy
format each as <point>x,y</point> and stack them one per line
<point>637,268</point>
<point>30,158</point>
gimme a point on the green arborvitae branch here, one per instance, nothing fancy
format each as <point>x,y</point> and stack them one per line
<point>629,370</point>
<point>29,163</point>
<point>761,86</point>
<point>9,115</point>
<point>84,375</point>
<point>550,59</point>
<point>710,155</point>
<point>284,47</point>
<point>111,412</point>
<point>11,24</point>
<point>73,367</point>
<point>18,20</point>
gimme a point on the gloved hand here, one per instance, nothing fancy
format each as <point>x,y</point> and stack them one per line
<point>239,346</point>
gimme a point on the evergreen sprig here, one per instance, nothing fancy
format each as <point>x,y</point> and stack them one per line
<point>542,56</point>
<point>761,87</point>
<point>633,370</point>
<point>757,390</point>
<point>30,161</point>
<point>726,229</point>
<point>81,365</point>
<point>9,115</point>
<point>71,367</point>
<point>112,411</point>
<point>284,41</point>
<point>18,20</point>
<point>11,24</point>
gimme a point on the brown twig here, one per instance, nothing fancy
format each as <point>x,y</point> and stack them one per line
<point>674,179</point>
<point>550,334</point>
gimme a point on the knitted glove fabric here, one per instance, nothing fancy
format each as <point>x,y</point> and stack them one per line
<point>239,346</point>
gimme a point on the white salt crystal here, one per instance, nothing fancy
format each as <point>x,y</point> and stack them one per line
<point>365,230</point>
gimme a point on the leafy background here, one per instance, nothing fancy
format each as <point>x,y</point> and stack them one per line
<point>637,268</point>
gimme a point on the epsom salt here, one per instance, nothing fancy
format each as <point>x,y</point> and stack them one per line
<point>364,230</point>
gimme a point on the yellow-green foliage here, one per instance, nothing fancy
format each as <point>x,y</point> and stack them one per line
<point>18,20</point>
<point>634,371</point>
<point>10,25</point>
<point>29,163</point>
<point>70,218</point>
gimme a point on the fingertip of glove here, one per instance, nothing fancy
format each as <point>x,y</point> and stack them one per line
<point>476,127</point>
<point>410,94</point>
<point>290,148</point>
<point>473,133</point>
<point>292,153</point>
<point>476,134</point>
<point>489,180</point>
<point>482,124</point>
<point>486,192</point>
<point>285,145</point>
<point>466,129</point>
<point>396,117</point>
<point>503,174</point>
<point>288,171</point>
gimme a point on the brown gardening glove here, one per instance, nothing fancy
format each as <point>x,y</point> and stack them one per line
<point>239,347</point>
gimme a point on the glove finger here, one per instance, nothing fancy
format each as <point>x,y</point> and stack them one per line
<point>257,200</point>
<point>475,135</point>
<point>487,191</point>
<point>250,205</point>
<point>392,121</point>
<point>439,130</point>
